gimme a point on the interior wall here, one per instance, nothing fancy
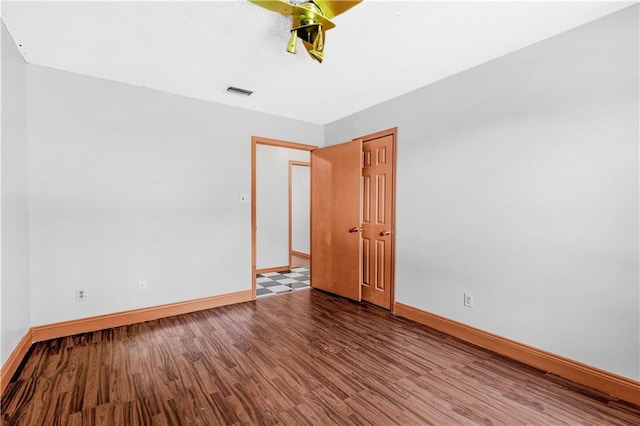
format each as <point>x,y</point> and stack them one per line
<point>130,184</point>
<point>300,209</point>
<point>272,203</point>
<point>517,181</point>
<point>14,236</point>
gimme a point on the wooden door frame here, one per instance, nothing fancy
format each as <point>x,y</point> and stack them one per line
<point>367,138</point>
<point>255,141</point>
<point>293,163</point>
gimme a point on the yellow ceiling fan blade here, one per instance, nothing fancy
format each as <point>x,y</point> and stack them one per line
<point>275,6</point>
<point>331,8</point>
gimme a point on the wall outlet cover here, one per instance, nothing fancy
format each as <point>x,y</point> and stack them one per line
<point>81,295</point>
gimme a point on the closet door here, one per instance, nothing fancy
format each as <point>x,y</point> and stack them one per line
<point>336,248</point>
<point>377,221</point>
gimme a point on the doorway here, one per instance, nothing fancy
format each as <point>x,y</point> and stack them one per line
<point>353,193</point>
<point>263,259</point>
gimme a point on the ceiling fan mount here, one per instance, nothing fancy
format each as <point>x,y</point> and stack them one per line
<point>310,20</point>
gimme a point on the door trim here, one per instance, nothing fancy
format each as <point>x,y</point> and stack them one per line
<point>293,163</point>
<point>258,140</point>
<point>367,138</point>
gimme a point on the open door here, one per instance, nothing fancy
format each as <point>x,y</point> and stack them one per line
<point>336,249</point>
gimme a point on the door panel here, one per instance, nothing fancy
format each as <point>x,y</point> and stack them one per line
<point>336,251</point>
<point>366,247</point>
<point>377,188</point>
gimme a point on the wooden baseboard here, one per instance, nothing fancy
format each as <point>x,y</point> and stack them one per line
<point>15,358</point>
<point>273,269</point>
<point>612,384</point>
<point>300,254</point>
<point>118,319</point>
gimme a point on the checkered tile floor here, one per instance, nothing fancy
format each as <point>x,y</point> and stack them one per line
<point>271,283</point>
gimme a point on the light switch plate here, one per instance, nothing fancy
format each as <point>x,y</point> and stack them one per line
<point>468,300</point>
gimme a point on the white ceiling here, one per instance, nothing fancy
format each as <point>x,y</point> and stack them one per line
<point>379,49</point>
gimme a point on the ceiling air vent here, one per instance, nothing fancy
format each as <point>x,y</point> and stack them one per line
<point>239,91</point>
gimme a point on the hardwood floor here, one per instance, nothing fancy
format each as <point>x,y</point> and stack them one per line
<point>299,358</point>
<point>297,261</point>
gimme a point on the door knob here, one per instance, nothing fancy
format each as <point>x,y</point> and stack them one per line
<point>355,229</point>
<point>385,233</point>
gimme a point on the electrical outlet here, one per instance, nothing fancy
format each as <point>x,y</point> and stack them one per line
<point>468,300</point>
<point>81,295</point>
<point>142,285</point>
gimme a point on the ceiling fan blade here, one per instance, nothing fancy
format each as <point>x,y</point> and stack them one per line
<point>279,6</point>
<point>331,8</point>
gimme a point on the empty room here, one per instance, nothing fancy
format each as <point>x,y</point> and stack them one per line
<point>320,212</point>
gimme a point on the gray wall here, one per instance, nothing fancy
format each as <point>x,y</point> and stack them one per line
<point>300,209</point>
<point>15,219</point>
<point>128,183</point>
<point>518,182</point>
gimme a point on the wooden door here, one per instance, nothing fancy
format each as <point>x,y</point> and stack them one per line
<point>377,221</point>
<point>336,252</point>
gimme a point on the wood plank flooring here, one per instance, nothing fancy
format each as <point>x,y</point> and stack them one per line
<point>298,358</point>
<point>297,261</point>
